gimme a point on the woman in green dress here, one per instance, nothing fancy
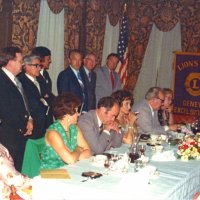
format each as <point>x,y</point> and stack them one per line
<point>64,141</point>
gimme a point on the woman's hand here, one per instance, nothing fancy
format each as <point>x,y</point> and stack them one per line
<point>130,118</point>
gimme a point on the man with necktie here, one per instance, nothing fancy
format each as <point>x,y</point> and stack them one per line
<point>99,126</point>
<point>107,81</point>
<point>44,79</point>
<point>16,122</point>
<point>38,105</point>
<point>89,63</point>
<point>71,80</point>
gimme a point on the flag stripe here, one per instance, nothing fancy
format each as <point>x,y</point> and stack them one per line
<point>122,51</point>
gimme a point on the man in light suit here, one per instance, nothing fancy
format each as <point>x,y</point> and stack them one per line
<point>38,105</point>
<point>90,79</point>
<point>99,126</point>
<point>108,81</point>
<point>71,80</point>
<point>147,109</point>
<point>16,123</point>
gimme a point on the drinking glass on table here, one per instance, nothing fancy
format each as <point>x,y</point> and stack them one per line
<point>133,154</point>
<point>107,165</point>
<point>142,148</point>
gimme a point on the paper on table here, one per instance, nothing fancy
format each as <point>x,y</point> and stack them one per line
<point>55,173</point>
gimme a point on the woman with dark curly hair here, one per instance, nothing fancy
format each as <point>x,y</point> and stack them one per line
<point>126,118</point>
<point>64,139</point>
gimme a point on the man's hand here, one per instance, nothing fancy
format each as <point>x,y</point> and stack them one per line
<point>29,127</point>
<point>112,126</point>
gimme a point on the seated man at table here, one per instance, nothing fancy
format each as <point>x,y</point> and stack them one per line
<point>99,126</point>
<point>147,121</point>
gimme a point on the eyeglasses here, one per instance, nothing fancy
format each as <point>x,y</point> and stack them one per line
<point>162,100</point>
<point>36,65</point>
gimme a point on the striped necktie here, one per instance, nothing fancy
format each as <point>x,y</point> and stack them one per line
<point>80,79</point>
<point>21,90</point>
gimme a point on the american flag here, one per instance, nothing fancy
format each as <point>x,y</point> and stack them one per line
<point>122,51</point>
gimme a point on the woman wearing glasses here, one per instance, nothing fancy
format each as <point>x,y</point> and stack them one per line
<point>64,140</point>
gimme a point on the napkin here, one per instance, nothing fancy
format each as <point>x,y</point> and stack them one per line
<point>122,165</point>
<point>164,156</point>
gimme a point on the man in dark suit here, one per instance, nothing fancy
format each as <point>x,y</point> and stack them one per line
<point>44,78</point>
<point>108,81</point>
<point>90,78</point>
<point>16,123</point>
<point>71,80</point>
<point>99,126</point>
<point>38,106</point>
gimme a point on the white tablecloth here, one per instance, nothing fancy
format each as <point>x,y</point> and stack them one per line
<point>177,180</point>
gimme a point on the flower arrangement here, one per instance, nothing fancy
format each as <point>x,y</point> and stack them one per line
<point>189,149</point>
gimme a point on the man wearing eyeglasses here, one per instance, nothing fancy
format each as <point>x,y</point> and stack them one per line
<point>44,78</point>
<point>147,109</point>
<point>38,106</point>
<point>16,123</point>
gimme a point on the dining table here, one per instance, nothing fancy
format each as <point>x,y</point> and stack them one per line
<point>171,180</point>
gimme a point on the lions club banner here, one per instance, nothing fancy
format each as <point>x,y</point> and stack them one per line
<point>187,84</point>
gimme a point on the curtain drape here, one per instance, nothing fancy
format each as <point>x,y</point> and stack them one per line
<point>110,40</point>
<point>157,65</point>
<point>51,35</point>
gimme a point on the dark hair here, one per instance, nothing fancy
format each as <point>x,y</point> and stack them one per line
<point>113,55</point>
<point>107,102</point>
<point>65,103</point>
<point>75,51</point>
<point>152,93</point>
<point>8,53</point>
<point>122,95</point>
<point>41,51</point>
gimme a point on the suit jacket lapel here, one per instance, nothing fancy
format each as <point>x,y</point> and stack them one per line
<point>12,86</point>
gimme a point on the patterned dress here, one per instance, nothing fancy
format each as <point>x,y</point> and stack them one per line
<point>50,159</point>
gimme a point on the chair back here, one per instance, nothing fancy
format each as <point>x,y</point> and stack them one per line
<point>32,159</point>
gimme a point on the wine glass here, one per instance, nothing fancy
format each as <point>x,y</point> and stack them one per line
<point>142,148</point>
<point>195,127</point>
<point>133,154</point>
<point>107,165</point>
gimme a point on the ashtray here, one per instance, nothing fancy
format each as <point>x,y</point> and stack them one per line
<point>91,174</point>
<point>144,137</point>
